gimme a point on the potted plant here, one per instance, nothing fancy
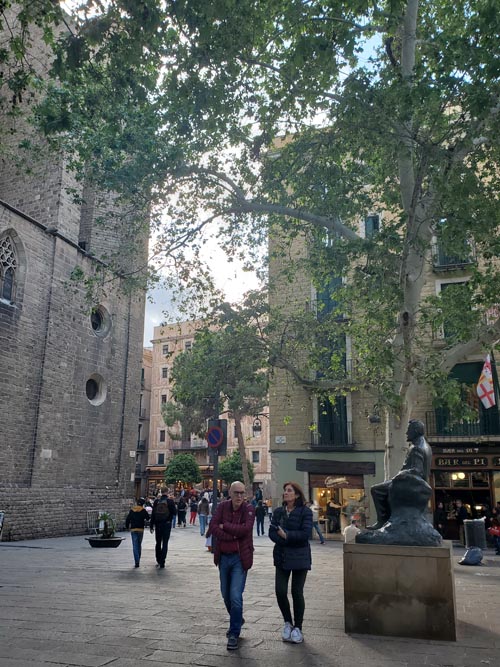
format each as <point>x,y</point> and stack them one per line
<point>106,533</point>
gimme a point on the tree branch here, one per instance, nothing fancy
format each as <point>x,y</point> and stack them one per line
<point>487,336</point>
<point>243,204</point>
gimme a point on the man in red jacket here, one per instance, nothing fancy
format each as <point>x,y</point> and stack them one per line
<point>232,529</point>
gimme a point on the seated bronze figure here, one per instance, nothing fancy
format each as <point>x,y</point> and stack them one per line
<point>401,502</point>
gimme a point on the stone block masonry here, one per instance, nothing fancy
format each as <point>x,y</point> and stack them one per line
<point>62,452</point>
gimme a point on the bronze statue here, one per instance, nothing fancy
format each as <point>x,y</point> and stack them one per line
<point>401,502</point>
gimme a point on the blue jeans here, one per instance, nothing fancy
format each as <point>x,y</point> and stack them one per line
<point>203,523</point>
<point>174,520</point>
<point>137,545</point>
<point>232,584</point>
<point>318,530</point>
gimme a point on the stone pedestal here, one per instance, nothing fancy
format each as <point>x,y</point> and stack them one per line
<point>400,591</point>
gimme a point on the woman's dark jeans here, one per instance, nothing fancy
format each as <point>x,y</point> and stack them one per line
<point>281,588</point>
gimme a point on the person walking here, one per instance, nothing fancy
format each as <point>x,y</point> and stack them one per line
<point>193,506</point>
<point>161,524</point>
<point>232,529</point>
<point>462,515</point>
<point>290,531</point>
<point>174,518</point>
<point>136,519</point>
<point>440,518</point>
<point>203,511</point>
<point>260,513</point>
<point>315,519</point>
<point>181,512</point>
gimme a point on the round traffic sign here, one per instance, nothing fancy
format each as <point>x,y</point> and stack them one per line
<point>215,436</point>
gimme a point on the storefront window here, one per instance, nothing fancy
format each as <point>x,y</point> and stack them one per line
<point>461,480</point>
<point>442,480</point>
<point>340,499</point>
<point>480,479</point>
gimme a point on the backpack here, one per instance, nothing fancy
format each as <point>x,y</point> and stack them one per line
<point>473,556</point>
<point>162,510</point>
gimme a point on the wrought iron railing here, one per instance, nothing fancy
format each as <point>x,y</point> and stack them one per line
<point>340,439</point>
<point>441,423</point>
<point>445,262</point>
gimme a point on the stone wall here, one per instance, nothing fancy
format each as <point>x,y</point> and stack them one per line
<point>56,511</point>
<point>56,445</point>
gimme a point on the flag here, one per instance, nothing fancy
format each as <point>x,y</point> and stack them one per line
<point>485,389</point>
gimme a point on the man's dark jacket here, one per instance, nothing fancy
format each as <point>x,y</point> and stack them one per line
<point>171,507</point>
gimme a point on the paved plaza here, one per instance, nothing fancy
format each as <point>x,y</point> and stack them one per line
<point>64,603</point>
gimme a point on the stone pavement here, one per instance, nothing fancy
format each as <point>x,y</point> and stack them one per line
<point>63,603</point>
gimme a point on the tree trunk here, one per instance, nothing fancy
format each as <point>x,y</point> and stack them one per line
<point>396,424</point>
<point>243,455</point>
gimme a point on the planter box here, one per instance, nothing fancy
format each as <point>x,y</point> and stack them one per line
<point>103,542</point>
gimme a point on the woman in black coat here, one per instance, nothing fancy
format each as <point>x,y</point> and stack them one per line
<point>290,530</point>
<point>440,519</point>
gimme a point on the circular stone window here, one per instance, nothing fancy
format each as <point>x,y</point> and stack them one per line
<point>96,389</point>
<point>100,321</point>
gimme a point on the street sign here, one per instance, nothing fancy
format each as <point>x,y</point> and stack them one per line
<point>215,436</point>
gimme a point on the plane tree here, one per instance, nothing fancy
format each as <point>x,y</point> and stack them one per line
<point>303,118</point>
<point>223,374</point>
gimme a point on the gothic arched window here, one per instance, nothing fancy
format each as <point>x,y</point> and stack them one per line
<point>8,268</point>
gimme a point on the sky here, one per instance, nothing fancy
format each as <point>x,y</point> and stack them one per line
<point>229,278</point>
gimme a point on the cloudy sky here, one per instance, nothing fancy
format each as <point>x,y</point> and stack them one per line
<point>229,278</point>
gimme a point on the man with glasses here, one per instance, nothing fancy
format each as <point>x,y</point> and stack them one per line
<point>231,528</point>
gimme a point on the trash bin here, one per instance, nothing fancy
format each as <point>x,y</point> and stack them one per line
<point>475,533</point>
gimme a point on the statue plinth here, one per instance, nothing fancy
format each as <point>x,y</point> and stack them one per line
<point>400,591</point>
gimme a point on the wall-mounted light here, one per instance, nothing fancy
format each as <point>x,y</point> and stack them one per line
<point>257,425</point>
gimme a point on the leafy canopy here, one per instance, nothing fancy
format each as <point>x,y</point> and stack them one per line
<point>230,469</point>
<point>225,370</point>
<point>390,107</point>
<point>182,468</point>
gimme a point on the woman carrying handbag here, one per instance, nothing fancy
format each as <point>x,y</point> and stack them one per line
<point>290,530</point>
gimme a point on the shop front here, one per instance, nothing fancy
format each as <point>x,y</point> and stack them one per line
<point>338,489</point>
<point>340,499</point>
<point>471,476</point>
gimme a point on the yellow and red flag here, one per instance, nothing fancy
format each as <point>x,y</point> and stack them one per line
<point>485,388</point>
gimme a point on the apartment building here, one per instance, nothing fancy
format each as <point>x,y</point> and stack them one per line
<point>336,449</point>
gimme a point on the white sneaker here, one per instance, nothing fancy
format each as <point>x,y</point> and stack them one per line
<point>296,636</point>
<point>286,633</point>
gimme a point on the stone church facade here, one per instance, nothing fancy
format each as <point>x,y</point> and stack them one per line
<point>70,370</point>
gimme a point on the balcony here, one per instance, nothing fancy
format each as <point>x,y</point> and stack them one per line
<point>445,262</point>
<point>440,424</point>
<point>141,445</point>
<point>187,445</point>
<point>339,438</point>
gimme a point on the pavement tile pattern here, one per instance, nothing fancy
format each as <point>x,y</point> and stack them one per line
<point>63,603</point>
